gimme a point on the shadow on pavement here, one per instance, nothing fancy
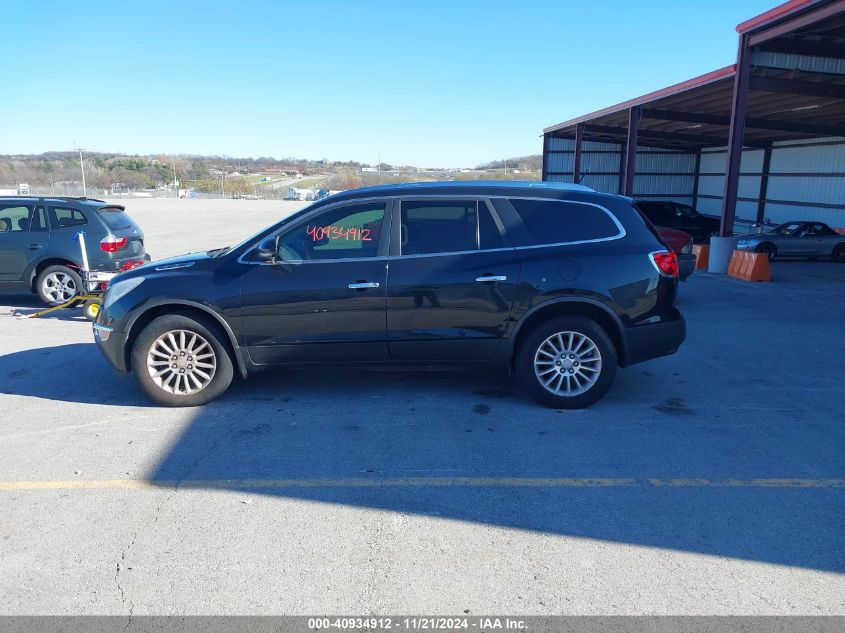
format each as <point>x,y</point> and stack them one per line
<point>76,372</point>
<point>382,440</point>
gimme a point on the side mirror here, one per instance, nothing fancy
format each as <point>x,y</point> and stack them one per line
<point>268,249</point>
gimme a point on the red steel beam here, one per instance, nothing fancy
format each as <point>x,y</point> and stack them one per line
<point>736,135</point>
<point>631,150</point>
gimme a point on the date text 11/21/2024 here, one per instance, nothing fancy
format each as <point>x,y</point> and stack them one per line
<point>319,233</point>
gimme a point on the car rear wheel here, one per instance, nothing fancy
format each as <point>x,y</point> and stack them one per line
<point>766,249</point>
<point>180,361</point>
<point>58,284</point>
<point>567,362</point>
<point>838,254</point>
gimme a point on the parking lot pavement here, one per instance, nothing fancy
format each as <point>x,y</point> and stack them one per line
<point>709,482</point>
<point>202,224</point>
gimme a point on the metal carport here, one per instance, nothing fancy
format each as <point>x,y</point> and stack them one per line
<point>768,130</point>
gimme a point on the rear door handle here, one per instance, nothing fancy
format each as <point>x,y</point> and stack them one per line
<point>34,247</point>
<point>491,278</point>
<point>363,285</point>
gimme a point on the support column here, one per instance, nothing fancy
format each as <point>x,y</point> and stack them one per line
<point>735,137</point>
<point>764,184</point>
<point>545,173</point>
<point>621,186</point>
<point>631,150</point>
<point>696,177</point>
<point>579,139</point>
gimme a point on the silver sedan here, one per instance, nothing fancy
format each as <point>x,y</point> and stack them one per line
<point>796,239</point>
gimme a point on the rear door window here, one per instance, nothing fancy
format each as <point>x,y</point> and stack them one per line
<point>447,226</point>
<point>66,218</point>
<point>38,221</point>
<point>564,221</point>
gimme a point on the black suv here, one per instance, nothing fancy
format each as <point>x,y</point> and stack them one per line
<point>39,251</point>
<point>554,282</point>
<point>680,216</point>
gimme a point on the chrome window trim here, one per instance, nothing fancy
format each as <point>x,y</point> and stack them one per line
<point>297,262</point>
<point>421,197</point>
<point>473,252</point>
<point>622,233</point>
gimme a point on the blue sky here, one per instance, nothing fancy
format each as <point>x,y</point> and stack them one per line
<point>450,83</point>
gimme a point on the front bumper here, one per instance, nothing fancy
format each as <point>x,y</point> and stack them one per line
<point>686,265</point>
<point>111,344</point>
<point>645,342</point>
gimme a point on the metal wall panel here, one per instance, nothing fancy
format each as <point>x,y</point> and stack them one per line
<point>560,162</point>
<point>587,146</point>
<point>790,61</point>
<point>599,162</point>
<point>713,162</point>
<point>666,185</point>
<point>711,185</point>
<point>825,190</point>
<point>605,184</point>
<point>561,143</point>
<point>651,163</point>
<point>820,158</point>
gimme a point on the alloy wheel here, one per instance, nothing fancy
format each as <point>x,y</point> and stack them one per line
<point>181,362</point>
<point>567,363</point>
<point>59,287</point>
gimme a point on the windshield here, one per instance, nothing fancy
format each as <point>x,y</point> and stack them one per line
<point>790,228</point>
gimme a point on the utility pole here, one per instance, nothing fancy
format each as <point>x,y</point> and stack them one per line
<point>223,184</point>
<point>175,179</point>
<point>82,168</point>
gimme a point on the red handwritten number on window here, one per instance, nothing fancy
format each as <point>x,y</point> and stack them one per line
<point>332,232</point>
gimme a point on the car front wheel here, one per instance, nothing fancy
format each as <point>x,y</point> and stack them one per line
<point>766,249</point>
<point>567,362</point>
<point>180,361</point>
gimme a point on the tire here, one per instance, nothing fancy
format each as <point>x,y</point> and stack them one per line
<point>838,254</point>
<point>91,308</point>
<point>181,338</point>
<point>540,344</point>
<point>57,284</point>
<point>767,249</point>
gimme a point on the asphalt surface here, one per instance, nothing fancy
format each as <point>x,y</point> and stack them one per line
<point>709,482</point>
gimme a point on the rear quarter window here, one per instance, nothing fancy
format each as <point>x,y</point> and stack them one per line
<point>561,221</point>
<point>66,218</point>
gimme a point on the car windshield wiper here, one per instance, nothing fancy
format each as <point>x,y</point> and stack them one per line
<point>216,252</point>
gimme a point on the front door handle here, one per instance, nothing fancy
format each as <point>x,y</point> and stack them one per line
<point>34,247</point>
<point>491,278</point>
<point>363,285</point>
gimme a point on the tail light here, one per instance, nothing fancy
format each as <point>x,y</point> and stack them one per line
<point>132,263</point>
<point>111,243</point>
<point>666,262</point>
